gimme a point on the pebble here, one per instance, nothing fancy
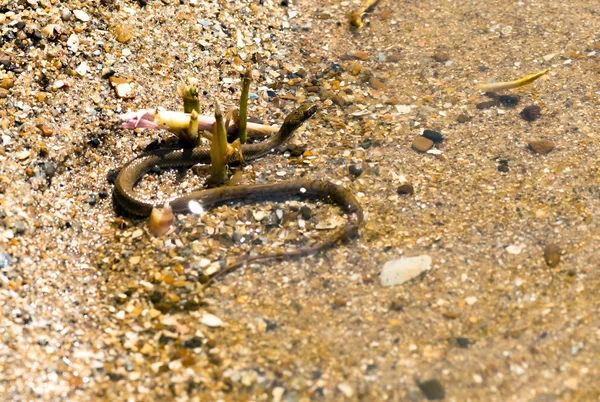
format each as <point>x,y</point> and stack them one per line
<point>378,85</point>
<point>46,130</point>
<point>397,272</point>
<point>7,83</point>
<point>434,136</point>
<point>4,93</point>
<point>81,15</point>
<point>4,259</point>
<point>422,144</point>
<point>405,189</point>
<point>211,321</point>
<point>346,390</point>
<point>124,33</point>
<point>486,104</point>
<point>432,389</point>
<point>531,113</point>
<point>509,100</point>
<point>541,146</point>
<point>361,55</point>
<point>355,169</point>
<point>463,118</point>
<point>441,57</point>
<point>122,88</point>
<point>66,14</point>
<point>471,300</point>
<point>552,254</point>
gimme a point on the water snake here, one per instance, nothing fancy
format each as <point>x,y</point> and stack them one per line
<point>134,170</point>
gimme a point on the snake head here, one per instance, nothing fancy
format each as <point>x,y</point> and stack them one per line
<point>299,116</point>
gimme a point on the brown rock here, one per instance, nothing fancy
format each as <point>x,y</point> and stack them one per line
<point>541,146</point>
<point>463,118</point>
<point>288,97</point>
<point>361,55</point>
<point>378,85</point>
<point>422,144</point>
<point>486,105</point>
<point>392,101</point>
<point>552,254</point>
<point>441,57</point>
<point>339,100</point>
<point>405,189</point>
<point>393,58</point>
<point>46,130</point>
<point>3,93</point>
<point>531,113</point>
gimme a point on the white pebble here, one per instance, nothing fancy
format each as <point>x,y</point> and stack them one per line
<point>396,272</point>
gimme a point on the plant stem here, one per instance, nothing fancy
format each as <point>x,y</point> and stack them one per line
<point>218,149</point>
<point>242,122</point>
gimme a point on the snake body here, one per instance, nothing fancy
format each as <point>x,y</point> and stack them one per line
<point>133,171</point>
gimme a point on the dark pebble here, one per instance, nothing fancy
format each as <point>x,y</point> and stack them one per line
<point>397,305</point>
<point>503,166</point>
<point>486,105</point>
<point>103,195</point>
<point>531,113</point>
<point>434,136</point>
<point>491,94</point>
<point>284,3</point>
<point>355,170</point>
<point>509,100</point>
<point>336,67</point>
<point>156,296</point>
<point>20,25</point>
<point>95,142</point>
<point>305,212</point>
<point>92,200</point>
<point>405,189</point>
<point>271,93</point>
<point>463,118</point>
<point>552,254</point>
<point>193,343</point>
<point>432,389</point>
<point>49,169</point>
<point>463,342</point>
<point>155,169</point>
<point>163,307</point>
<point>237,237</point>
<point>296,150</point>
<point>112,176</point>
<point>366,144</point>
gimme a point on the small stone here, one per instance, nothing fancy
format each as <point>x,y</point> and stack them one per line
<point>81,15</point>
<point>7,83</point>
<point>422,144</point>
<point>135,260</point>
<point>153,313</point>
<point>22,155</point>
<point>441,57</point>
<point>288,97</point>
<point>346,390</point>
<point>4,259</point>
<point>405,189</point>
<point>339,302</point>
<point>509,100</point>
<point>463,118</point>
<point>4,93</point>
<point>378,85</point>
<point>463,343</point>
<point>122,88</point>
<point>397,272</point>
<point>211,321</point>
<point>355,169</point>
<point>339,100</point>
<point>432,389</point>
<point>82,69</point>
<point>397,305</point>
<point>124,33</point>
<point>503,166</point>
<point>305,212</point>
<point>471,300</point>
<point>434,136</point>
<point>361,55</point>
<point>46,130</point>
<point>541,146</point>
<point>107,72</point>
<point>4,59</point>
<point>531,113</point>
<point>146,349</point>
<point>552,254</point>
<point>66,14</point>
<point>486,105</point>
